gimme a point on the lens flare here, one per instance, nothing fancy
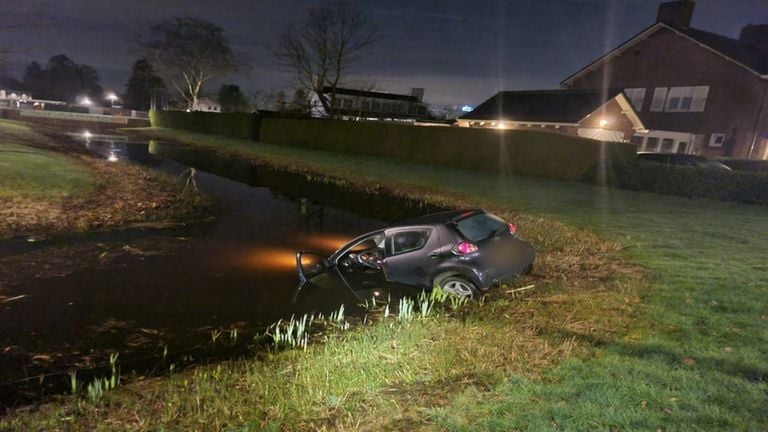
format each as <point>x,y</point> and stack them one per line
<point>326,242</point>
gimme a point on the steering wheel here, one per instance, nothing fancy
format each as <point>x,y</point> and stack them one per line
<point>370,258</point>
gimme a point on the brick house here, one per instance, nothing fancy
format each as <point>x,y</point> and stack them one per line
<point>598,114</point>
<point>694,91</point>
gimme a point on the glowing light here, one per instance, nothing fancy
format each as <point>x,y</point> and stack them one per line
<point>501,125</point>
<point>112,157</point>
<point>112,97</point>
<point>86,134</point>
<point>604,122</point>
<point>278,260</point>
<point>467,108</point>
<point>327,242</point>
<point>85,100</point>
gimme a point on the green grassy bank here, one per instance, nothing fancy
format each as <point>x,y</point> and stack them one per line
<point>28,172</point>
<point>578,353</point>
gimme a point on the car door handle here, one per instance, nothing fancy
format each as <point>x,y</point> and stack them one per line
<point>434,255</point>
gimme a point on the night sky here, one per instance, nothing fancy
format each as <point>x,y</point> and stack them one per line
<point>460,51</point>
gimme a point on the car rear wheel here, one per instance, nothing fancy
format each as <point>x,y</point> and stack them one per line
<point>459,286</point>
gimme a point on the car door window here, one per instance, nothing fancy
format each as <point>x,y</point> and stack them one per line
<point>407,241</point>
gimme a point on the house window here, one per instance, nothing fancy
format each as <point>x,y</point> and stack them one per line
<point>668,145</point>
<point>348,103</point>
<point>659,97</point>
<point>636,96</point>
<point>377,106</point>
<point>652,144</point>
<point>687,99</point>
<point>367,105</point>
<point>716,140</point>
<point>637,139</point>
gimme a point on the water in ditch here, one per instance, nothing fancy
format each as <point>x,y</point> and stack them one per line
<point>164,296</point>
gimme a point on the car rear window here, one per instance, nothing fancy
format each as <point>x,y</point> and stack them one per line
<point>480,226</point>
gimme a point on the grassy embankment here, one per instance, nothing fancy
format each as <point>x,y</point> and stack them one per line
<point>48,185</point>
<point>579,353</point>
<point>34,182</point>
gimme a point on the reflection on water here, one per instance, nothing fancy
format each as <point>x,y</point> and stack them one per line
<point>238,271</point>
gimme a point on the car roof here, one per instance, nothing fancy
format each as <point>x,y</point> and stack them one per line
<point>680,155</point>
<point>436,218</point>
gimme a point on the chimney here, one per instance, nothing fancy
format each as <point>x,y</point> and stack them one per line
<point>418,93</point>
<point>755,35</point>
<point>676,14</point>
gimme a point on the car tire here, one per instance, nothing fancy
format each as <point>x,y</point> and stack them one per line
<point>459,286</point>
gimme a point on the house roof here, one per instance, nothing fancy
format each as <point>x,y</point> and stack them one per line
<point>748,55</point>
<point>542,106</point>
<point>743,54</point>
<point>371,94</point>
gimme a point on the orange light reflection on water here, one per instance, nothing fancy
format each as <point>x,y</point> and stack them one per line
<point>271,259</point>
<point>284,259</point>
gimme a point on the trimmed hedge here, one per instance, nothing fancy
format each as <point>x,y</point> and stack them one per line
<point>519,152</point>
<point>690,182</point>
<point>236,125</point>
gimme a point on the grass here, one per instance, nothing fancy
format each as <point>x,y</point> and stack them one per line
<point>28,172</point>
<point>49,185</point>
<point>581,352</point>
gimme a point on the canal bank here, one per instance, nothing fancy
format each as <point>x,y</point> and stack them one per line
<point>596,344</point>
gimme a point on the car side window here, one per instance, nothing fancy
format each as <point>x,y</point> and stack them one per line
<point>407,241</point>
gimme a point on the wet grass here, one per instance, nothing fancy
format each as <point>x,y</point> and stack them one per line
<point>48,185</point>
<point>28,172</point>
<point>597,345</point>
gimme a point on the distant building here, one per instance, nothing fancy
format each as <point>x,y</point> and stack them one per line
<point>206,104</point>
<point>604,115</point>
<point>380,106</point>
<point>695,91</point>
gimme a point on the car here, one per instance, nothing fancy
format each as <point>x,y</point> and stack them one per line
<point>462,252</point>
<point>682,160</point>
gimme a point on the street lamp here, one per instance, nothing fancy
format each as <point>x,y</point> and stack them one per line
<point>112,98</point>
<point>86,101</point>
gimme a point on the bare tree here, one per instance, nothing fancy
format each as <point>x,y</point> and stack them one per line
<point>187,52</point>
<point>324,47</point>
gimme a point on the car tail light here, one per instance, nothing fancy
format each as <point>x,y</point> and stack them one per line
<point>464,248</point>
<point>512,228</point>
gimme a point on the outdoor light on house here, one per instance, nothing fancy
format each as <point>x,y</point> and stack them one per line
<point>604,122</point>
<point>112,97</point>
<point>501,125</point>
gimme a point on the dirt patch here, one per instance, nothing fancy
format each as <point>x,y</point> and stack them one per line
<point>121,194</point>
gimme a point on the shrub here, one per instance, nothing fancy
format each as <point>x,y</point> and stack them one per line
<point>690,182</point>
<point>518,152</point>
<point>236,125</point>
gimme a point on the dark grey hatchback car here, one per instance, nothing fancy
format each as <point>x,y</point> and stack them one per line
<point>463,252</point>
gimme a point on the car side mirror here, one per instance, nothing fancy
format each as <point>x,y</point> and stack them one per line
<point>309,264</point>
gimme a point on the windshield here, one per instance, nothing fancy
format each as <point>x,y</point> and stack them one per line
<point>480,226</point>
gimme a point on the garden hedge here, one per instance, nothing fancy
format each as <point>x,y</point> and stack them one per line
<point>690,182</point>
<point>235,125</point>
<point>518,152</point>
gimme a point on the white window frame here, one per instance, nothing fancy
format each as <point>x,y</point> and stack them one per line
<point>713,140</point>
<point>655,148</point>
<point>659,99</point>
<point>697,97</point>
<point>636,97</point>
